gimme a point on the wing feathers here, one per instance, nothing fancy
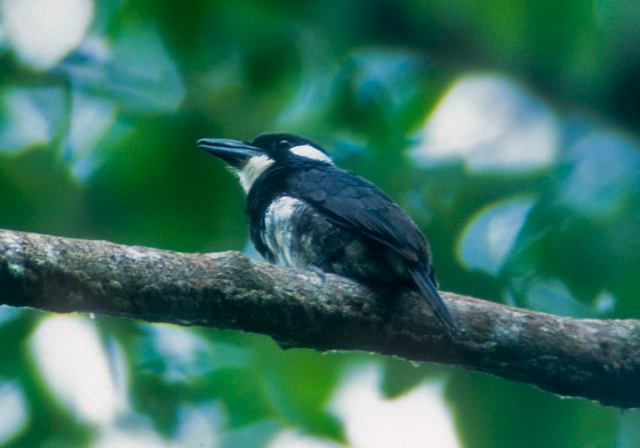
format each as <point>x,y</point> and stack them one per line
<point>352,202</point>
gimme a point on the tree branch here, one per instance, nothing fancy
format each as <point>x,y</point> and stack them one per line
<point>595,359</point>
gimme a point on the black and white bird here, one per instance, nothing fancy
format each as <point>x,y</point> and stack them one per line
<point>305,212</point>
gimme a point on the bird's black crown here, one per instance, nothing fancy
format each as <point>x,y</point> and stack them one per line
<point>279,142</point>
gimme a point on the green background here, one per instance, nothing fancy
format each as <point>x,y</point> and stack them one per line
<point>97,141</point>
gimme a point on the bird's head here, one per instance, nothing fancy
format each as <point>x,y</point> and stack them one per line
<point>249,160</point>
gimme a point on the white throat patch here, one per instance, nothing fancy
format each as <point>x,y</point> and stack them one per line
<point>310,152</point>
<point>252,170</point>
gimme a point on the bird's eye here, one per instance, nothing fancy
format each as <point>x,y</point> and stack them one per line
<point>282,144</point>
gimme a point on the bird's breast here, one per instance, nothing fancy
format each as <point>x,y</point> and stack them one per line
<point>279,233</point>
<point>296,235</point>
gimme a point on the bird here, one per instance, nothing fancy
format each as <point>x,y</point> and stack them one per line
<point>305,212</point>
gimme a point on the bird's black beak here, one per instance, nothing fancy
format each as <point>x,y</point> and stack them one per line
<point>234,152</point>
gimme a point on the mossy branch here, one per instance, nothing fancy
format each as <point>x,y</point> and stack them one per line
<point>590,358</point>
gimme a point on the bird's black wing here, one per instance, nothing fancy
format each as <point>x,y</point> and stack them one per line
<point>352,202</point>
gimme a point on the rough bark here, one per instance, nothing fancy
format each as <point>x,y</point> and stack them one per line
<point>594,359</point>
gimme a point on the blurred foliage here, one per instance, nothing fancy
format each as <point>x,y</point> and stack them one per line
<point>508,130</point>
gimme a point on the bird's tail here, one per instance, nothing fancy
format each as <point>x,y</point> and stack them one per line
<point>430,293</point>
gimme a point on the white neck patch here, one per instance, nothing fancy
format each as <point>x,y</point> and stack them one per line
<point>252,170</point>
<point>310,152</point>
